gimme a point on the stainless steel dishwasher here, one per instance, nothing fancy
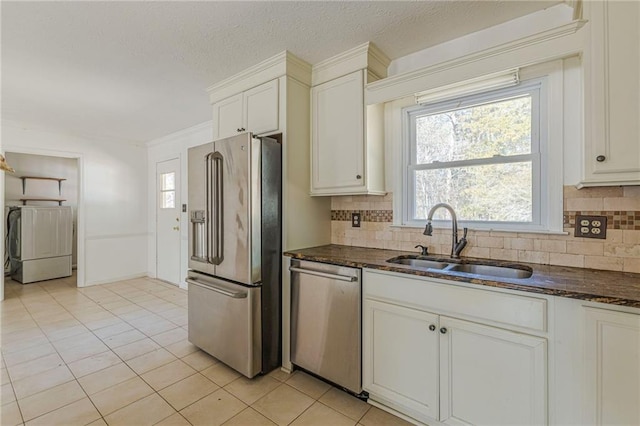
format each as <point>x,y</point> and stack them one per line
<point>326,331</point>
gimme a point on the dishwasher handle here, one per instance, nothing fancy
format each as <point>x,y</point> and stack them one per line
<point>323,274</point>
<point>210,286</point>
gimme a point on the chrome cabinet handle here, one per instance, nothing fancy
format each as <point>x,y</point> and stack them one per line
<point>323,274</point>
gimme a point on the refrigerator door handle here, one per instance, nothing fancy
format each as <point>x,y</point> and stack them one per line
<point>218,208</point>
<point>323,274</point>
<point>241,294</point>
<point>208,206</point>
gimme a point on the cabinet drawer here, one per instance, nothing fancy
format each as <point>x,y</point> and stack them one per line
<point>439,296</point>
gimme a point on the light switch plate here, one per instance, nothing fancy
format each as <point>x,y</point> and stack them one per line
<point>591,226</point>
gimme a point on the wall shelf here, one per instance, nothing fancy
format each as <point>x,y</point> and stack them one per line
<point>25,178</point>
<point>39,198</point>
<point>57,200</point>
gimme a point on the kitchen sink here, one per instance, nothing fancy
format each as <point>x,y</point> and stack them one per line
<point>419,263</point>
<point>469,268</point>
<point>490,270</point>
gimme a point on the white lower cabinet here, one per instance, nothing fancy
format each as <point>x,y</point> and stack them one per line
<point>401,358</point>
<point>612,367</point>
<point>432,366</point>
<point>491,376</point>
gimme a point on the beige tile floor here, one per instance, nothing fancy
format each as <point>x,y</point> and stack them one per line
<point>118,354</point>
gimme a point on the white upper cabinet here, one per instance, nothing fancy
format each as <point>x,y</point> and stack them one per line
<point>612,94</point>
<point>347,138</point>
<point>338,134</point>
<point>227,117</point>
<point>255,110</point>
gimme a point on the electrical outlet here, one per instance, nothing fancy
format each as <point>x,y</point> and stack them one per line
<point>355,220</point>
<point>591,226</point>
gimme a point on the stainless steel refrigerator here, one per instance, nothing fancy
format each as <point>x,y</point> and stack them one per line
<point>235,251</point>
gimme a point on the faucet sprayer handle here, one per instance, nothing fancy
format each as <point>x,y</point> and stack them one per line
<point>464,232</point>
<point>424,251</point>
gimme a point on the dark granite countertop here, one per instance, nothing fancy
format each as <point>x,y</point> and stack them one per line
<point>616,288</point>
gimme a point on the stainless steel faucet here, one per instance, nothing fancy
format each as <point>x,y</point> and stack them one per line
<point>456,245</point>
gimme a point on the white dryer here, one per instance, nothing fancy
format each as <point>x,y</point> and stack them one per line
<point>40,242</point>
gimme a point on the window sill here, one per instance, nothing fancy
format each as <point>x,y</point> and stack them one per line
<point>506,231</point>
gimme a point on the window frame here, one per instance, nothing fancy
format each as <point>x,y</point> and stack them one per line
<point>547,193</point>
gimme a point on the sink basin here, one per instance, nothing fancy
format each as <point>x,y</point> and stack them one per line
<point>490,270</point>
<point>479,269</point>
<point>418,263</point>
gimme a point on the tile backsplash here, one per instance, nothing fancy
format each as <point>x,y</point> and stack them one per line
<point>620,251</point>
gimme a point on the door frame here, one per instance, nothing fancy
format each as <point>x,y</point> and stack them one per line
<point>180,212</point>
<point>80,235</point>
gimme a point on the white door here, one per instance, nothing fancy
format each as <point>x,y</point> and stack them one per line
<point>168,221</point>
<point>401,358</point>
<point>490,376</point>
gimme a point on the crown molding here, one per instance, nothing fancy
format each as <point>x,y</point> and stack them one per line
<point>180,134</point>
<point>364,56</point>
<point>406,84</point>
<point>284,63</point>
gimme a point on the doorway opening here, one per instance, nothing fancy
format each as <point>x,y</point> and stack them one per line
<point>42,202</point>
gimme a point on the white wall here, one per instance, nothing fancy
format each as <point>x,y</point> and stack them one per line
<point>169,147</point>
<point>112,216</point>
<point>44,166</point>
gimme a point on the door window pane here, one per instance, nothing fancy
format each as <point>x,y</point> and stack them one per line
<point>168,199</point>
<point>168,181</point>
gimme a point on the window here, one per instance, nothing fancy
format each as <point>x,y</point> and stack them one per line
<point>168,190</point>
<point>484,154</point>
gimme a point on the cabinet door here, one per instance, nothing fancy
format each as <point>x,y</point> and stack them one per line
<point>612,93</point>
<point>491,376</point>
<point>401,358</point>
<point>227,117</point>
<point>261,108</point>
<point>612,368</point>
<point>337,128</point>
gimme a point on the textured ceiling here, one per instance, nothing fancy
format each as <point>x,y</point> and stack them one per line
<point>135,71</point>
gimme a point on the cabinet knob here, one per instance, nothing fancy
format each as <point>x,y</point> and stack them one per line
<point>432,327</point>
<point>358,177</point>
<point>600,158</point>
<point>238,130</point>
<point>443,330</point>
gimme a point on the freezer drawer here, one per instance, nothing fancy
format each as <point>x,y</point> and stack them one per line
<point>326,322</point>
<point>224,321</point>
